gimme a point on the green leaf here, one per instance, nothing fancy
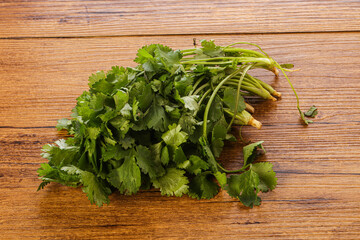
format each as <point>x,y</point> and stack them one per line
<point>49,174</point>
<point>100,75</point>
<point>217,146</point>
<point>229,99</point>
<point>249,152</point>
<point>102,86</point>
<point>63,123</point>
<point>266,175</point>
<point>287,65</point>
<point>312,112</point>
<point>174,137</point>
<point>120,98</point>
<point>93,132</point>
<point>97,102</point>
<point>94,188</point>
<point>245,188</point>
<point>179,156</point>
<point>156,118</point>
<point>219,131</point>
<point>172,183</point>
<point>165,158</point>
<point>202,186</point>
<point>209,48</point>
<point>221,178</point>
<point>188,123</point>
<point>190,102</point>
<point>126,178</point>
<point>197,165</point>
<point>60,155</point>
<point>147,163</point>
<point>208,154</point>
<point>230,137</point>
<point>215,111</point>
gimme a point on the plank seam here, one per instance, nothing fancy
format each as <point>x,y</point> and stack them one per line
<point>177,34</point>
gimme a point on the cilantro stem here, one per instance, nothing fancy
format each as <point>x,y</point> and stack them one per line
<point>212,97</point>
<point>266,61</point>
<point>204,96</point>
<point>196,84</point>
<point>233,171</point>
<point>241,50</point>
<point>201,88</point>
<point>297,97</point>
<point>191,62</point>
<point>247,43</point>
<point>238,95</point>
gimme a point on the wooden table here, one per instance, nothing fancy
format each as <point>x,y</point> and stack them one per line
<point>49,48</point>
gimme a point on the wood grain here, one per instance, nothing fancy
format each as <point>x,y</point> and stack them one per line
<point>317,166</point>
<point>39,18</point>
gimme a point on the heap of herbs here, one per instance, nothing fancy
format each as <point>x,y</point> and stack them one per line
<point>163,124</point>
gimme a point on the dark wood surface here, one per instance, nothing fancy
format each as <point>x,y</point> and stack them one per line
<point>318,166</point>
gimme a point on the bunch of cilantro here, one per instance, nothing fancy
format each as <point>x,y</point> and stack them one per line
<point>163,124</point>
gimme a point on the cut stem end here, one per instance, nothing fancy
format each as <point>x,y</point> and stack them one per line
<point>249,108</point>
<point>276,94</point>
<point>255,123</point>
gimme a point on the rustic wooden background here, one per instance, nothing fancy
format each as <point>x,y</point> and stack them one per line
<point>49,48</point>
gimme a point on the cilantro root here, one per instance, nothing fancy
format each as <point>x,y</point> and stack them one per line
<point>164,123</point>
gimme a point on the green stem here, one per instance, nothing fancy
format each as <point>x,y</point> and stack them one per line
<point>241,50</point>
<point>233,171</point>
<point>266,61</point>
<point>196,84</point>
<point>192,62</point>
<point>252,44</point>
<point>297,97</point>
<point>204,96</point>
<point>212,97</point>
<point>238,96</point>
<point>201,88</point>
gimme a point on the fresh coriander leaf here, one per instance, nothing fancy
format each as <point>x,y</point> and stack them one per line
<point>312,112</point>
<point>147,163</point>
<point>120,98</point>
<point>102,86</point>
<point>230,137</point>
<point>202,186</point>
<point>219,131</point>
<point>190,102</point>
<point>221,178</point>
<point>245,188</point>
<point>100,75</point>
<point>60,155</point>
<point>188,123</point>
<point>96,191</point>
<point>249,152</point>
<point>93,132</point>
<point>179,156</point>
<point>156,118</point>
<point>216,111</point>
<point>126,178</point>
<point>217,146</point>
<point>63,123</point>
<point>209,48</point>
<point>165,155</point>
<point>266,175</point>
<point>174,136</point>
<point>208,154</point>
<point>287,65</point>
<point>229,99</point>
<point>197,165</point>
<point>172,183</point>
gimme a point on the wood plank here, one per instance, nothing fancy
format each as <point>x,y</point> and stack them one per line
<point>39,18</point>
<point>317,166</point>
